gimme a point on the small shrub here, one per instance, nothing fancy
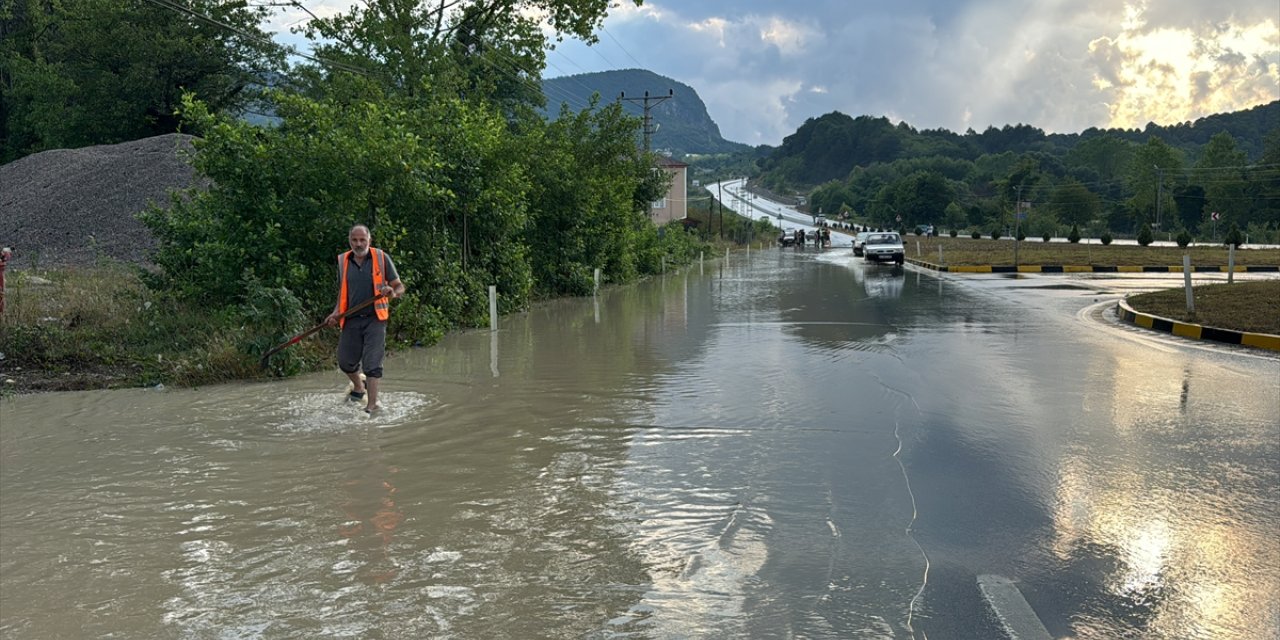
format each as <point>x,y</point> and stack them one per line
<point>1045,237</point>
<point>1021,236</point>
<point>1074,236</point>
<point>1184,239</point>
<point>995,235</point>
<point>1145,237</point>
<point>954,233</point>
<point>976,234</point>
<point>1234,237</point>
<point>1106,238</point>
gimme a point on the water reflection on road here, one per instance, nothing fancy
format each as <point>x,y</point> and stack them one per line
<point>706,455</point>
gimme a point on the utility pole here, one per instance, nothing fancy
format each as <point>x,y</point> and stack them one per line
<point>648,103</point>
<point>1159,194</point>
<point>720,203</point>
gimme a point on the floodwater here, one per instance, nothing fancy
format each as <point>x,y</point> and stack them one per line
<point>794,445</point>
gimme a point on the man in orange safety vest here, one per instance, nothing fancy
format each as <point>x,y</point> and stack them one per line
<point>364,272</point>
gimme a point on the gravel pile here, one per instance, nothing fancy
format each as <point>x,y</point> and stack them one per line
<point>73,206</point>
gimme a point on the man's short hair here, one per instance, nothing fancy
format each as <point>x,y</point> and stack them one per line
<point>360,226</point>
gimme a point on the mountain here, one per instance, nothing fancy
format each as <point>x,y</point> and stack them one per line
<point>683,125</point>
<point>830,146</point>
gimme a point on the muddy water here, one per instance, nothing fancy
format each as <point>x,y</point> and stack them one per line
<point>791,447</point>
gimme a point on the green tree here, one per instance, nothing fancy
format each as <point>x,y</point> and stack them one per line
<point>1151,178</point>
<point>1073,203</point>
<point>484,49</point>
<point>590,193</point>
<point>954,217</point>
<point>1264,183</point>
<point>1221,170</point>
<point>920,198</point>
<point>84,72</point>
<point>1105,159</point>
<point>435,186</point>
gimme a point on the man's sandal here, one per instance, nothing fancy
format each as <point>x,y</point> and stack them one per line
<point>355,396</point>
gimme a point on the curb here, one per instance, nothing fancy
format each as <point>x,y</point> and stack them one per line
<point>1088,268</point>
<point>1195,331</point>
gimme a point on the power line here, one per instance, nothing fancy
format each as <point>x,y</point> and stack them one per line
<point>624,49</point>
<point>174,6</point>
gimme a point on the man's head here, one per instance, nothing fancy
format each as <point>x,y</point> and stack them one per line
<point>359,239</point>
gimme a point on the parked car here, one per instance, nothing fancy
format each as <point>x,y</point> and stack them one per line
<point>884,247</point>
<point>858,241</point>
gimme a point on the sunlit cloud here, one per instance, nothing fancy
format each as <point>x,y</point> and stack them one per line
<point>788,37</point>
<point>1175,74</point>
<point>713,27</point>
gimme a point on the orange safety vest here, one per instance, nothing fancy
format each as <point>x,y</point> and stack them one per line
<point>380,308</point>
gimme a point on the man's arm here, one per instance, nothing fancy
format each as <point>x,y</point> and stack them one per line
<point>332,318</point>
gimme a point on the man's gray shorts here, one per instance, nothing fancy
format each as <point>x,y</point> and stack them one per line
<point>362,345</point>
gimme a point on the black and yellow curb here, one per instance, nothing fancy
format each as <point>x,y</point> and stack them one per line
<point>1197,332</point>
<point>1089,268</point>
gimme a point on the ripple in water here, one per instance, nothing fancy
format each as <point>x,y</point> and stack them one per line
<point>333,413</point>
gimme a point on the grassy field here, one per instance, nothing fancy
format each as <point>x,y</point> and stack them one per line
<point>967,251</point>
<point>1252,306</point>
<point>100,327</point>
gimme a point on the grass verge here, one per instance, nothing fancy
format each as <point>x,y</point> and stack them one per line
<point>1252,306</point>
<point>101,327</point>
<point>984,251</point>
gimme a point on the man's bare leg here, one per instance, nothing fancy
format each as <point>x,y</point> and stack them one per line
<point>372,385</point>
<point>357,382</point>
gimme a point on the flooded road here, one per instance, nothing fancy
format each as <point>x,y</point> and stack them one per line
<point>795,445</point>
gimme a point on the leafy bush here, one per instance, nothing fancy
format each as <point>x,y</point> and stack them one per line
<point>1145,237</point>
<point>1021,235</point>
<point>1074,236</point>
<point>1046,237</point>
<point>1106,238</point>
<point>954,232</point>
<point>995,234</point>
<point>1184,238</point>
<point>1234,237</point>
<point>975,234</point>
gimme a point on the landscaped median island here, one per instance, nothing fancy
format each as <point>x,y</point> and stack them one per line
<point>1246,306</point>
<point>968,252</point>
<point>1252,306</point>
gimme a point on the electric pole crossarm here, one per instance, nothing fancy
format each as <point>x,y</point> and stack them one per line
<point>648,102</point>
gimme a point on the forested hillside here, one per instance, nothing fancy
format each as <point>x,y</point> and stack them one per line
<point>417,118</point>
<point>1172,178</point>
<point>683,125</point>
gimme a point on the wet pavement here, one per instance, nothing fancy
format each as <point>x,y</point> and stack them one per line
<point>794,445</point>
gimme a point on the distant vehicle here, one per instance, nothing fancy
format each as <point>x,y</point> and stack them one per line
<point>924,230</point>
<point>859,240</point>
<point>786,240</point>
<point>884,247</point>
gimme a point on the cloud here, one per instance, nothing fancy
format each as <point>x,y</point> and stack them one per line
<point>764,67</point>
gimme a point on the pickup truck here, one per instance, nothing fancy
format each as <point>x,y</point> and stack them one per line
<point>884,247</point>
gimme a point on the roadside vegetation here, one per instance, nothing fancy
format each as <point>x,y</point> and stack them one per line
<point>968,251</point>
<point>102,326</point>
<point>1197,179</point>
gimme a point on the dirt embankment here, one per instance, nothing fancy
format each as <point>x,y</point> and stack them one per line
<point>75,206</point>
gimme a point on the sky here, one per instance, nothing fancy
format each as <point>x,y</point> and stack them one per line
<point>763,67</point>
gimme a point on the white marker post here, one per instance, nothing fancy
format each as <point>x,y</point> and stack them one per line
<point>1231,263</point>
<point>1186,276</point>
<point>493,307</point>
